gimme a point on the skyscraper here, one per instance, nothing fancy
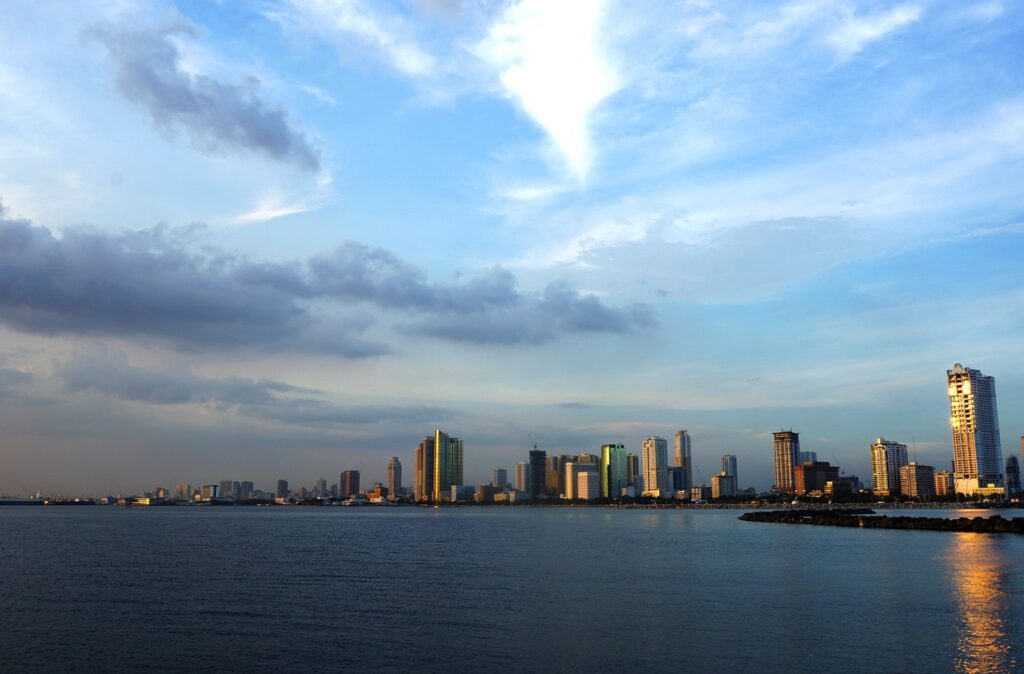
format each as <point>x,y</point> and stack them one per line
<point>523,476</point>
<point>887,458</point>
<point>282,489</point>
<point>423,487</point>
<point>394,483</point>
<point>499,478</point>
<point>349,483</point>
<point>538,472</point>
<point>654,451</point>
<point>787,449</point>
<point>447,464</point>
<point>321,488</point>
<point>977,455</point>
<point>633,474</point>
<point>723,484</point>
<point>729,467</point>
<point>683,457</point>
<point>1012,475</point>
<point>613,470</point>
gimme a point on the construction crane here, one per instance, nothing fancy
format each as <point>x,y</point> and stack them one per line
<point>532,441</point>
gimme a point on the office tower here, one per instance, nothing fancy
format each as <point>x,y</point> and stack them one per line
<point>886,460</point>
<point>805,456</point>
<point>633,474</point>
<point>917,480</point>
<point>245,490</point>
<point>683,457</point>
<point>571,473</point>
<point>613,470</point>
<point>538,472</point>
<point>551,470</point>
<point>394,476</point>
<point>729,466</point>
<point>349,483</point>
<point>655,467</point>
<point>499,478</point>
<point>562,461</point>
<point>943,483</point>
<point>447,464</point>
<point>282,489</point>
<point>225,488</point>
<point>787,450</point>
<point>677,478</point>
<point>321,488</point>
<point>581,481</point>
<point>977,455</point>
<point>813,476</point>
<point>1013,486</point>
<point>723,484</point>
<point>423,487</point>
<point>523,476</point>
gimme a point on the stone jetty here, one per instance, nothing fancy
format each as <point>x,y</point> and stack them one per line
<point>866,519</point>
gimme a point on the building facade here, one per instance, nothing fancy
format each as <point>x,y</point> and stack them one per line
<point>499,478</point>
<point>538,472</point>
<point>887,458</point>
<point>394,476</point>
<point>723,484</point>
<point>813,476</point>
<point>423,480</point>
<point>787,451</point>
<point>613,470</point>
<point>944,483</point>
<point>447,465</point>
<point>348,483</point>
<point>977,455</point>
<point>654,451</point>
<point>917,480</point>
<point>1013,486</point>
<point>729,467</point>
<point>684,457</point>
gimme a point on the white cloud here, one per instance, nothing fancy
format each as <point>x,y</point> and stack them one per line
<point>551,60</point>
<point>856,32</point>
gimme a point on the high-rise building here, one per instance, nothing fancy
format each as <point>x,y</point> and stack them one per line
<point>349,483</point>
<point>613,470</point>
<point>581,481</point>
<point>245,490</point>
<point>943,483</point>
<point>813,476</point>
<point>552,469</point>
<point>394,476</point>
<point>321,488</point>
<point>683,456</point>
<point>523,476</point>
<point>225,488</point>
<point>633,474</point>
<point>538,472</point>
<point>805,456</point>
<point>1013,485</point>
<point>787,450</point>
<point>917,480</point>
<point>677,477</point>
<point>499,478</point>
<point>723,484</point>
<point>887,458</point>
<point>654,451</point>
<point>423,487</point>
<point>977,455</point>
<point>447,464</point>
<point>282,489</point>
<point>729,467</point>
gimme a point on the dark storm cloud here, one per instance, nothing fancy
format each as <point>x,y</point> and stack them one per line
<point>111,374</point>
<point>145,284</point>
<point>148,284</point>
<point>218,116</point>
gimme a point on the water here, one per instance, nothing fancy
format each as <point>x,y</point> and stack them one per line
<point>512,589</point>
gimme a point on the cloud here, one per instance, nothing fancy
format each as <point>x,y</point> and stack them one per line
<point>344,20</point>
<point>550,59</point>
<point>149,284</point>
<point>218,116</point>
<point>146,284</point>
<point>11,379</point>
<point>856,32</point>
<point>111,374</point>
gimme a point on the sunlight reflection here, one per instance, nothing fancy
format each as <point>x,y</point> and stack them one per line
<point>977,566</point>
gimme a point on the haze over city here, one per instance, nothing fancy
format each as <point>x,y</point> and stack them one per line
<point>288,239</point>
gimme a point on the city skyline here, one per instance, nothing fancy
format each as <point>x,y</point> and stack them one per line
<point>286,238</point>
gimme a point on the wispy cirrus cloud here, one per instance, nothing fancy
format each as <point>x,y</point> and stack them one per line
<point>855,32</point>
<point>219,117</point>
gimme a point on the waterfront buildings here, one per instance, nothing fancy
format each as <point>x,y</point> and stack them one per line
<point>729,467</point>
<point>613,470</point>
<point>887,458</point>
<point>917,480</point>
<point>654,451</point>
<point>581,481</point>
<point>394,476</point>
<point>349,483</point>
<point>538,472</point>
<point>813,476</point>
<point>723,484</point>
<point>448,464</point>
<point>423,480</point>
<point>499,478</point>
<point>977,455</point>
<point>282,489</point>
<point>787,451</point>
<point>684,457</point>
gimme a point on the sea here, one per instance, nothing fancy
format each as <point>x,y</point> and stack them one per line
<point>497,589</point>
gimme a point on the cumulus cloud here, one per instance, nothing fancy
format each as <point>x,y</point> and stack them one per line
<point>149,284</point>
<point>218,116</point>
<point>110,374</point>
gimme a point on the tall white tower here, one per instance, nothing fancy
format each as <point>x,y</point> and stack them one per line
<point>977,454</point>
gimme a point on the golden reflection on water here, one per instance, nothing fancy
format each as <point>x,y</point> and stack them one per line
<point>977,565</point>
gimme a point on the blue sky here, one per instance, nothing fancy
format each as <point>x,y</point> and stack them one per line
<point>284,239</point>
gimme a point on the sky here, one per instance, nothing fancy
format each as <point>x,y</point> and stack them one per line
<point>284,239</point>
